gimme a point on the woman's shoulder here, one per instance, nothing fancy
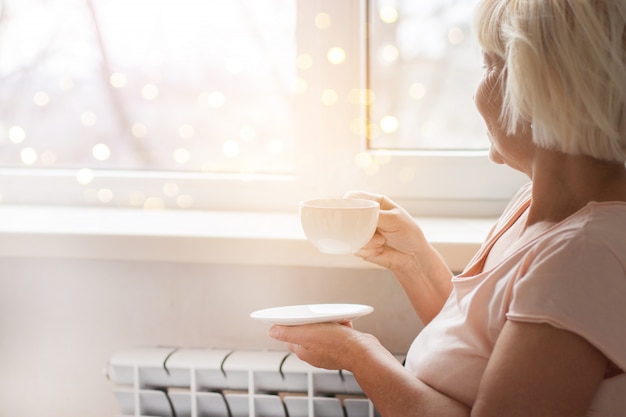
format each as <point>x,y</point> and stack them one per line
<point>598,225</point>
<point>599,219</point>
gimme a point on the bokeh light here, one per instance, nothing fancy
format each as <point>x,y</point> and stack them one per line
<point>139,130</point>
<point>230,148</point>
<point>322,20</point>
<point>84,176</point>
<point>417,91</point>
<point>304,61</point>
<point>149,91</point>
<point>17,134</point>
<point>389,53</point>
<point>329,97</point>
<point>28,156</point>
<point>118,80</point>
<point>88,118</point>
<point>181,155</point>
<point>456,36</point>
<point>41,98</point>
<point>336,55</point>
<point>101,152</point>
<point>389,124</point>
<point>388,14</point>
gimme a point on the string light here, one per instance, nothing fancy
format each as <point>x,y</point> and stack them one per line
<point>456,36</point>
<point>17,134</point>
<point>322,20</point>
<point>389,124</point>
<point>153,203</point>
<point>66,84</point>
<point>139,130</point>
<point>84,176</point>
<point>300,86</point>
<point>101,152</point>
<point>28,156</point>
<point>105,195</point>
<point>88,118</point>
<point>388,14</point>
<point>336,55</point>
<point>41,98</point>
<point>184,201</point>
<point>48,158</point>
<point>118,80</point>
<point>389,53</point>
<point>230,148</point>
<point>149,91</point>
<point>182,155</point>
<point>170,189</point>
<point>215,99</point>
<point>329,97</point>
<point>417,91</point>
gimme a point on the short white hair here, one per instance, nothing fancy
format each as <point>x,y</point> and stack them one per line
<point>565,71</point>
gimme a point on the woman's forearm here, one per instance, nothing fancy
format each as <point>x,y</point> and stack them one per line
<point>426,280</point>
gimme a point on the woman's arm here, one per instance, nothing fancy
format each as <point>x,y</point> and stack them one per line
<point>392,389</point>
<point>400,245</point>
<point>537,370</point>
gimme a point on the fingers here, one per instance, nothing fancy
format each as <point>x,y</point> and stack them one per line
<point>294,334</point>
<point>280,333</point>
<point>384,201</point>
<point>363,195</point>
<point>374,247</point>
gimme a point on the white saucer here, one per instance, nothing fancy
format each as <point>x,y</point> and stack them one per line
<point>312,313</point>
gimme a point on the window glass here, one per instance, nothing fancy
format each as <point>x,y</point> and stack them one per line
<point>424,65</point>
<point>243,104</point>
<point>173,85</point>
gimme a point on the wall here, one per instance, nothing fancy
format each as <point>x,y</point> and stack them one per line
<point>60,319</point>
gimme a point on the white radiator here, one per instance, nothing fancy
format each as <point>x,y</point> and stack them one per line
<point>172,382</point>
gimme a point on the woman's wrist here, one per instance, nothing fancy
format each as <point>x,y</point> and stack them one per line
<point>361,350</point>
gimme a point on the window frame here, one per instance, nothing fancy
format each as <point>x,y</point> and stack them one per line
<point>443,183</point>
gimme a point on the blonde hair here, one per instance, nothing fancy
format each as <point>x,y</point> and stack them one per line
<point>565,71</point>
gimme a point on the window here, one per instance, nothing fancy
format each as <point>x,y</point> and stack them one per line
<point>430,142</point>
<point>424,64</point>
<point>237,105</point>
<point>173,86</point>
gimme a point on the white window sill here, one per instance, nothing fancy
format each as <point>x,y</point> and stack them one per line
<point>242,238</point>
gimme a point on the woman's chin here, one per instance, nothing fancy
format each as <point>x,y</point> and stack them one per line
<point>495,156</point>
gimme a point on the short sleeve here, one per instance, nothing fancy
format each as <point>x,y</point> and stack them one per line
<point>578,284</point>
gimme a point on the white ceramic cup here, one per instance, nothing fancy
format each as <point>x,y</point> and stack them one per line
<point>339,225</point>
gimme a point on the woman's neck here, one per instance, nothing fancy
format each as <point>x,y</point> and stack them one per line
<point>563,184</point>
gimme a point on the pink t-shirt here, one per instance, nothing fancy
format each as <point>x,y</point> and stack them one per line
<point>573,277</point>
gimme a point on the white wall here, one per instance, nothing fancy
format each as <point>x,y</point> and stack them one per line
<point>60,320</point>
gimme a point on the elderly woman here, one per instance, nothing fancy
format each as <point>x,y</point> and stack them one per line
<point>536,324</point>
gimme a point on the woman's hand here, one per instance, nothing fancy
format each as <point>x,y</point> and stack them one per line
<point>400,245</point>
<point>325,345</point>
<point>397,236</point>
